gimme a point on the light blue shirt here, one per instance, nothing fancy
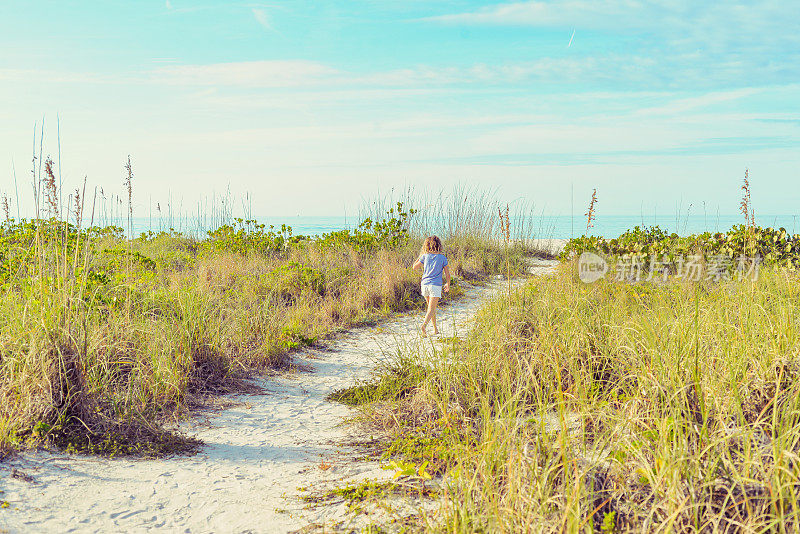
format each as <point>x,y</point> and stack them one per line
<point>432,268</point>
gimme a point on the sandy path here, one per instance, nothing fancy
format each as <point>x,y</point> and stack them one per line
<point>256,454</point>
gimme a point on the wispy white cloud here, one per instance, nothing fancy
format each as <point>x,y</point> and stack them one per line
<point>582,13</point>
<point>697,44</point>
<point>575,74</point>
<point>316,75</point>
<point>43,76</point>
<point>270,73</point>
<point>623,72</point>
<point>168,4</point>
<point>683,105</point>
<point>714,27</point>
<point>263,18</point>
<point>449,136</point>
<point>312,74</point>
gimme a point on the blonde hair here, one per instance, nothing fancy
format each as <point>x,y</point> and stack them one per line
<point>432,245</point>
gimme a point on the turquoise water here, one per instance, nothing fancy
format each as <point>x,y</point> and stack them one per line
<point>545,226</point>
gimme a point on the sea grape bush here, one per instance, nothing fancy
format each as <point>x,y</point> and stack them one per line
<point>118,258</point>
<point>150,235</point>
<point>249,236</point>
<point>774,246</point>
<point>389,232</point>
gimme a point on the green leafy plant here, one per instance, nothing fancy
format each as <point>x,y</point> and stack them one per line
<point>773,246</point>
<point>251,237</point>
<point>389,232</point>
<point>609,523</point>
<point>408,469</point>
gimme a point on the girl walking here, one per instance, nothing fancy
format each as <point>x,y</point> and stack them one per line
<point>435,278</point>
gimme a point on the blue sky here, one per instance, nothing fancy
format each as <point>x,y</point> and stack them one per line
<point>311,107</point>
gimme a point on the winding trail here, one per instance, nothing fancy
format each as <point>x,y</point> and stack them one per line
<point>257,453</point>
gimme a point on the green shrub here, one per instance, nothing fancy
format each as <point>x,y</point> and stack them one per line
<point>390,232</point>
<point>773,246</point>
<point>249,236</point>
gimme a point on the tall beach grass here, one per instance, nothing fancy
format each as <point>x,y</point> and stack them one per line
<point>656,407</point>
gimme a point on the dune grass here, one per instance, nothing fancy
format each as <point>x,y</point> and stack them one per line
<point>104,339</point>
<point>613,407</point>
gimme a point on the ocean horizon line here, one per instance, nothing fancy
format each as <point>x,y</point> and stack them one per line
<point>541,226</point>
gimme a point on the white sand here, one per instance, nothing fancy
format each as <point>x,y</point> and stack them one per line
<point>551,245</point>
<point>256,454</point>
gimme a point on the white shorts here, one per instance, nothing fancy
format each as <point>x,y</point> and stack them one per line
<point>430,290</point>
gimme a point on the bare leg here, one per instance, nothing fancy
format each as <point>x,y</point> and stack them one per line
<point>427,307</point>
<point>433,302</point>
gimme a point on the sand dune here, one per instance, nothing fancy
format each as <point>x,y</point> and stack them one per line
<point>258,453</point>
